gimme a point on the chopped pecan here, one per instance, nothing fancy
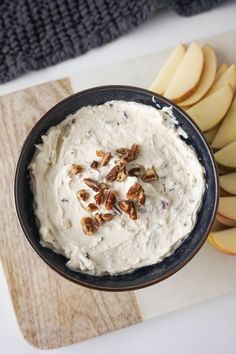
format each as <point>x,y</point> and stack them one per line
<point>94,164</point>
<point>110,201</point>
<point>103,186</point>
<point>100,153</point>
<point>82,194</point>
<point>136,192</point>
<point>121,175</point>
<point>106,158</point>
<point>106,216</point>
<point>141,198</point>
<point>98,220</point>
<point>134,149</point>
<point>122,151</point>
<point>132,212</point>
<point>87,225</point>
<point>149,175</point>
<point>92,207</point>
<point>121,162</point>
<point>136,171</point>
<point>124,205</point>
<point>75,169</point>
<point>99,197</point>
<point>92,184</point>
<point>111,176</point>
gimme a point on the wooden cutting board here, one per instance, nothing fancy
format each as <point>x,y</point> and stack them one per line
<point>51,311</point>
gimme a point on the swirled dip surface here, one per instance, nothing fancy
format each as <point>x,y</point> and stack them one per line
<point>120,245</point>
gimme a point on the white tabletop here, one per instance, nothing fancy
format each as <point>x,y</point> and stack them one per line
<point>204,328</point>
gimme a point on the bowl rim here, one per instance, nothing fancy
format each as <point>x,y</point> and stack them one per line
<point>148,283</point>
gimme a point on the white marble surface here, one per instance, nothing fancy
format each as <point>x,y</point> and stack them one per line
<point>204,328</point>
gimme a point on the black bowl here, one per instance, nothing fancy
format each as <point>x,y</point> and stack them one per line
<point>144,276</point>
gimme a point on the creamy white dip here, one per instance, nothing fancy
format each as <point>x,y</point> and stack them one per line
<point>120,245</point>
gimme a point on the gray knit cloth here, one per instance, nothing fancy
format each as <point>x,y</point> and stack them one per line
<point>38,33</point>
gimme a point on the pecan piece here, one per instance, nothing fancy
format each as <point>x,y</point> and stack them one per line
<point>92,207</point>
<point>75,169</point>
<point>141,199</point>
<point>121,175</point>
<point>92,184</point>
<point>82,195</point>
<point>110,201</point>
<point>106,158</point>
<point>135,149</point>
<point>94,164</point>
<point>124,205</point>
<point>99,197</point>
<point>136,171</point>
<point>149,175</point>
<point>100,153</point>
<point>98,220</point>
<point>111,176</point>
<point>103,186</point>
<point>107,217</point>
<point>132,212</point>
<point>122,151</point>
<point>136,192</point>
<point>87,225</point>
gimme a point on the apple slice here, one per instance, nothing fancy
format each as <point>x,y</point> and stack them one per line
<point>227,131</point>
<point>210,135</point>
<point>207,79</point>
<point>210,110</point>
<point>222,170</point>
<point>226,213</point>
<point>225,221</point>
<point>228,183</point>
<point>164,77</point>
<point>224,240</point>
<point>212,242</point>
<point>188,74</point>
<point>228,78</point>
<point>227,156</point>
<point>221,70</point>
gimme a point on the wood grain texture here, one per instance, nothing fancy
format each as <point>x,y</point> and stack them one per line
<point>51,311</point>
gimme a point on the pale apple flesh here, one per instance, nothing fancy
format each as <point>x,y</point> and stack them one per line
<point>227,156</point>
<point>227,131</point>
<point>164,77</point>
<point>228,183</point>
<point>210,134</point>
<point>207,78</point>
<point>188,74</point>
<point>211,110</point>
<point>221,70</point>
<point>224,240</point>
<point>228,78</point>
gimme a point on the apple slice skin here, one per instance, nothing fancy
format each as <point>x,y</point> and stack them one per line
<point>224,240</point>
<point>207,78</point>
<point>208,112</point>
<point>188,74</point>
<point>228,183</point>
<point>225,220</point>
<point>161,82</point>
<point>227,155</point>
<point>227,131</point>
